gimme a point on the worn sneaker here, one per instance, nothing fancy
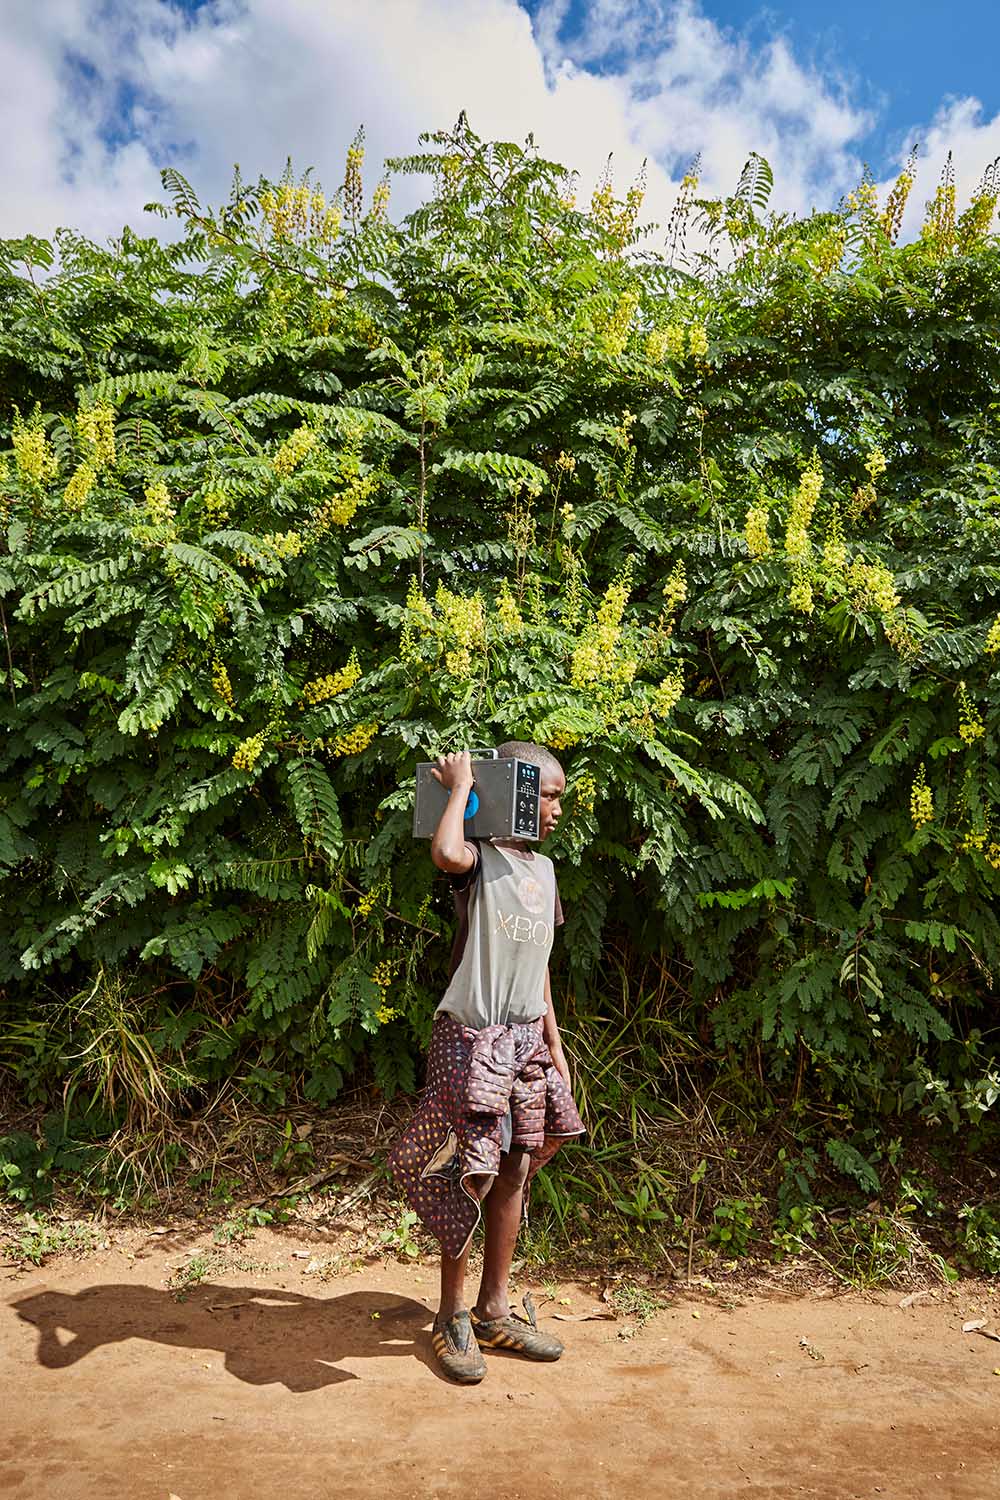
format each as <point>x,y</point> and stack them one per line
<point>456,1350</point>
<point>517,1335</point>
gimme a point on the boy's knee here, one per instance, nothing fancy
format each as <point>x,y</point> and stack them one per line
<point>514,1168</point>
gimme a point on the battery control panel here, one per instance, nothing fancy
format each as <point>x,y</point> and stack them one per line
<point>526,791</point>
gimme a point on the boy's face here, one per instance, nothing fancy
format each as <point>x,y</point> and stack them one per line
<point>549,808</point>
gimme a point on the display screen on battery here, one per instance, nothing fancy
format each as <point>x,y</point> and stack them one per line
<point>526,800</point>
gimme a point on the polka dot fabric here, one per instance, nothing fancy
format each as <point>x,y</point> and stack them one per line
<point>450,1140</point>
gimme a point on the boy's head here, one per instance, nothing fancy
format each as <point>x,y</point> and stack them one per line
<point>553,780</point>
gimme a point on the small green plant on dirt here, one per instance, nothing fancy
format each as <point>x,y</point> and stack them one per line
<point>204,1264</point>
<point>38,1236</point>
<point>732,1224</point>
<point>241,1225</point>
<point>799,1173</point>
<point>871,1249</point>
<point>222,1188</point>
<point>23,1169</point>
<point>194,1271</point>
<point>642,1206</point>
<point>293,1154</point>
<point>792,1233</point>
<point>636,1304</point>
<point>539,1245</point>
<point>334,1266</point>
<point>979,1237</point>
<point>399,1237</point>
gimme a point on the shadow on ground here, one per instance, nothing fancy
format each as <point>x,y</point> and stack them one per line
<point>265,1336</point>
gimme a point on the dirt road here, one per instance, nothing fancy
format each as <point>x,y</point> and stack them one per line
<point>272,1384</point>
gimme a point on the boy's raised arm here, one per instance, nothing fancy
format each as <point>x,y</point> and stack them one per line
<point>449,850</point>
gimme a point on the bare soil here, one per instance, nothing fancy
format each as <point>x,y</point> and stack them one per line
<point>274,1380</point>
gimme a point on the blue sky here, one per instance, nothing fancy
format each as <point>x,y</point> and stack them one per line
<point>99,95</point>
<point>898,61</point>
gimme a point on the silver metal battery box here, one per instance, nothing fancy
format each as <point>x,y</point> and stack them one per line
<point>503,803</point>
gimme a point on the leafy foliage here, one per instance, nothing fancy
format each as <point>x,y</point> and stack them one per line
<point>303,495</point>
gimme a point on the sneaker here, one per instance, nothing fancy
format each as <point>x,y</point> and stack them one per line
<point>456,1350</point>
<point>516,1335</point>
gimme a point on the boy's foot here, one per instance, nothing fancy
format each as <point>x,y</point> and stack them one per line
<point>516,1334</point>
<point>456,1350</point>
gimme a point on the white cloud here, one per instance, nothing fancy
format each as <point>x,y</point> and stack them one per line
<point>959,127</point>
<point>101,93</point>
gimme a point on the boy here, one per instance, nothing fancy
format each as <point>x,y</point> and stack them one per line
<point>497,1103</point>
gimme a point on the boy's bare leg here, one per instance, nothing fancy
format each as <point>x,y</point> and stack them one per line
<point>453,1267</point>
<point>452,1285</point>
<point>503,1221</point>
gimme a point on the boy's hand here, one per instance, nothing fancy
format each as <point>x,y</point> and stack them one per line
<point>454,770</point>
<point>561,1066</point>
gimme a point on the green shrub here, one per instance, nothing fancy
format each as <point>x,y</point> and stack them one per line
<point>979,1237</point>
<point>304,495</point>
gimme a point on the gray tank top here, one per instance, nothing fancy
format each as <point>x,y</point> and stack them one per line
<point>500,978</point>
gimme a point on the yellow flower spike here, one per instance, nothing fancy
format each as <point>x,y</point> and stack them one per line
<point>802,507</point>
<point>248,753</point>
<point>321,689</point>
<point>216,506</point>
<point>800,595</point>
<point>158,504</point>
<point>834,549</point>
<point>221,684</point>
<point>675,590</point>
<point>385,972</point>
<point>827,250</point>
<point>755,532</point>
<point>507,611</point>
<point>667,695</point>
<point>353,741</point>
<point>619,325</point>
<point>380,202</point>
<point>597,657</point>
<point>566,462</point>
<point>379,894</point>
<point>938,229</point>
<point>293,450</point>
<point>921,799</point>
<point>992,643</point>
<point>970,723</point>
<point>697,341</point>
<point>77,491</point>
<point>353,186</point>
<point>876,463</point>
<point>872,587</point>
<point>418,620</point>
<point>340,510</point>
<point>96,427</point>
<point>895,206</point>
<point>675,340</point>
<point>585,792</point>
<point>465,619</point>
<point>283,544</point>
<point>656,346</point>
<point>33,455</point>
